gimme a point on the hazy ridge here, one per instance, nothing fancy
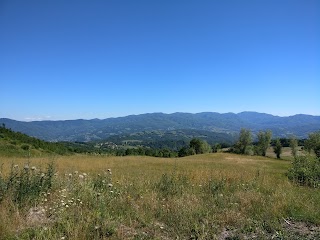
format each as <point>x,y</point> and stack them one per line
<point>227,123</point>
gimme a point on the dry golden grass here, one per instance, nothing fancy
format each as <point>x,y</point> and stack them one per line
<point>200,196</point>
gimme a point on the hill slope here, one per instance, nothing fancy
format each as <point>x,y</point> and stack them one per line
<point>229,123</point>
<point>19,144</point>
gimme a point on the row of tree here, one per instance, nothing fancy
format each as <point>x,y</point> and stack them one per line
<point>245,144</point>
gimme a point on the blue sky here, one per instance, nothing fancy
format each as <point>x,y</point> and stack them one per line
<point>100,59</point>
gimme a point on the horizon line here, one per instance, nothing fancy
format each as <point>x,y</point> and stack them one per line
<point>48,118</point>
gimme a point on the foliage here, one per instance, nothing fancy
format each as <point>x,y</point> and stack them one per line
<point>305,170</point>
<point>244,141</point>
<point>313,143</point>
<point>277,148</point>
<point>25,185</point>
<point>264,139</point>
<point>294,146</point>
<point>216,147</point>
<point>16,143</point>
<point>199,146</point>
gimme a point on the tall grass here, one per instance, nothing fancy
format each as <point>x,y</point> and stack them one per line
<point>197,197</point>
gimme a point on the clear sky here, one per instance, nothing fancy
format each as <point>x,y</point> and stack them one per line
<point>98,59</point>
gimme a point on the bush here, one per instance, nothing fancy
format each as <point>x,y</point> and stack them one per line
<point>305,171</point>
<point>25,147</point>
<point>25,185</point>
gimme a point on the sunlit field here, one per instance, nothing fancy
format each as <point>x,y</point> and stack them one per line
<point>210,196</point>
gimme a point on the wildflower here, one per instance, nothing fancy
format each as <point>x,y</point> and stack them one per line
<point>16,166</point>
<point>76,172</point>
<point>110,185</point>
<point>84,174</point>
<point>26,167</point>
<point>111,191</point>
<point>70,175</point>
<point>96,227</point>
<point>67,205</point>
<point>63,238</point>
<point>109,170</point>
<point>33,168</point>
<point>98,194</point>
<point>81,176</point>
<point>42,175</point>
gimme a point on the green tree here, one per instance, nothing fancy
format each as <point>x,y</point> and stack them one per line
<point>277,148</point>
<point>264,139</point>
<point>200,146</point>
<point>245,140</point>
<point>313,143</point>
<point>294,146</point>
<point>216,147</point>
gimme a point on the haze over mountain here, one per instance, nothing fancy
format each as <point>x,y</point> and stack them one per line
<point>228,123</point>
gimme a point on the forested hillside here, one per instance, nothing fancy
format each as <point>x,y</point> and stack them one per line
<point>19,144</point>
<point>228,123</point>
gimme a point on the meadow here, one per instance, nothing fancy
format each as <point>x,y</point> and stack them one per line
<point>207,196</point>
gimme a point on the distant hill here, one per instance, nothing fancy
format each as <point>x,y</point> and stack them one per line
<point>171,139</point>
<point>228,123</point>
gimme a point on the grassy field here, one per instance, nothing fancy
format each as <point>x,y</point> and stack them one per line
<point>211,196</point>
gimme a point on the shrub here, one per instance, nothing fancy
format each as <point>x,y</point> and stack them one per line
<point>25,147</point>
<point>26,185</point>
<point>305,170</point>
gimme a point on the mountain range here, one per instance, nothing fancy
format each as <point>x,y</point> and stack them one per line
<point>206,122</point>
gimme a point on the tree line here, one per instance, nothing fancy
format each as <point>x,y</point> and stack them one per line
<point>245,144</point>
